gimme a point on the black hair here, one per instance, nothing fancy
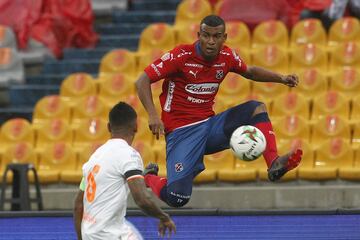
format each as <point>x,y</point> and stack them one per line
<point>213,21</point>
<point>122,117</point>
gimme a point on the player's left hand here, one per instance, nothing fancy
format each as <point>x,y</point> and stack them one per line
<point>290,80</point>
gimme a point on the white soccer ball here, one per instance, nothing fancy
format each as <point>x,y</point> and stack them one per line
<point>247,143</point>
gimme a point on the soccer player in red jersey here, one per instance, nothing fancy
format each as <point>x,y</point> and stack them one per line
<point>192,75</point>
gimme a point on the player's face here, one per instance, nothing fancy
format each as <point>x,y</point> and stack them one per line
<point>211,40</point>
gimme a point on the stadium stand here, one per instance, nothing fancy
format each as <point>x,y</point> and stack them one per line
<point>7,37</point>
<point>100,77</point>
<point>270,32</point>
<point>308,31</point>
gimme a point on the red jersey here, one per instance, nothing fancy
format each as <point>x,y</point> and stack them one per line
<point>191,83</point>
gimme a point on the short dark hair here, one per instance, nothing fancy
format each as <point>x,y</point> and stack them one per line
<point>213,21</point>
<point>122,116</point>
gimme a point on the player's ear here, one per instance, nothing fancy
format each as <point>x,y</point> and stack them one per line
<point>198,34</point>
<point>225,36</point>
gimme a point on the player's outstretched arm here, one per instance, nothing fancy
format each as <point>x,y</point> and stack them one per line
<point>144,92</point>
<point>145,201</point>
<point>78,213</point>
<point>263,75</point>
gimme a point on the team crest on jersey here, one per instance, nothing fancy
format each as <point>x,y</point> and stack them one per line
<point>219,74</point>
<point>179,167</point>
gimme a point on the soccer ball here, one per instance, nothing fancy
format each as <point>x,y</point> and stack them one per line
<point>247,143</point>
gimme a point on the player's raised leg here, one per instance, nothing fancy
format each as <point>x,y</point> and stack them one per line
<point>184,161</point>
<point>251,113</point>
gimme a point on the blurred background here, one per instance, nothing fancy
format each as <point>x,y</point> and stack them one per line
<point>64,63</point>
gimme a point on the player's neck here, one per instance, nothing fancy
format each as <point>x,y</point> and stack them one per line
<point>128,139</point>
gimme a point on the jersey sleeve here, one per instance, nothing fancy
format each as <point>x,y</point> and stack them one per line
<point>133,167</point>
<point>82,184</point>
<point>165,66</point>
<point>237,64</point>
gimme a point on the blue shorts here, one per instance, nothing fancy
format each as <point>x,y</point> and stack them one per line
<point>186,146</point>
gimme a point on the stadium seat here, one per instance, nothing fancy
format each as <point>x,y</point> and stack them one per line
<point>146,151</point>
<point>54,159</point>
<point>147,58</point>
<point>233,88</point>
<point>345,55</point>
<point>308,31</point>
<point>244,54</point>
<point>220,105</point>
<point>118,61</point>
<point>344,30</point>
<point>330,126</point>
<point>89,107</point>
<point>19,152</point>
<point>83,155</point>
<point>242,171</point>
<point>91,131</point>
<point>115,87</point>
<point>157,35</point>
<point>135,102</point>
<point>238,35</point>
<point>290,127</point>
<point>7,37</point>
<point>346,81</point>
<point>355,110</point>
<point>270,32</point>
<point>16,130</point>
<point>330,102</point>
<point>269,90</point>
<point>355,141</point>
<point>160,150</point>
<point>187,34</point>
<point>143,132</point>
<point>191,11</point>
<point>351,170</point>
<point>308,56</point>
<point>331,154</point>
<point>51,107</point>
<point>51,131</point>
<point>78,85</point>
<point>312,82</point>
<point>289,104</point>
<point>307,160</point>
<point>11,67</point>
<point>213,162</point>
<point>271,57</point>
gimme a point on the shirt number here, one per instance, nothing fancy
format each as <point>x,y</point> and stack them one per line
<point>91,184</point>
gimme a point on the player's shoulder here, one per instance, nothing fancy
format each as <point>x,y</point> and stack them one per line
<point>181,52</point>
<point>228,52</point>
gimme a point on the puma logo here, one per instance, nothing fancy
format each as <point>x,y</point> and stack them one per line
<point>193,73</point>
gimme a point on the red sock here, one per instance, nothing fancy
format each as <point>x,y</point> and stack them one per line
<point>270,153</point>
<point>156,183</point>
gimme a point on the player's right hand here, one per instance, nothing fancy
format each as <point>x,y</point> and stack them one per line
<point>156,126</point>
<point>166,224</point>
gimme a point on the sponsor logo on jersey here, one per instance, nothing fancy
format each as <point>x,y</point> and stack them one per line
<point>224,53</point>
<point>194,65</point>
<point>202,88</point>
<point>156,70</point>
<point>193,73</point>
<point>219,65</point>
<point>160,65</point>
<point>165,57</point>
<point>183,52</point>
<point>196,100</point>
<point>219,74</point>
<point>169,97</point>
<point>179,167</point>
